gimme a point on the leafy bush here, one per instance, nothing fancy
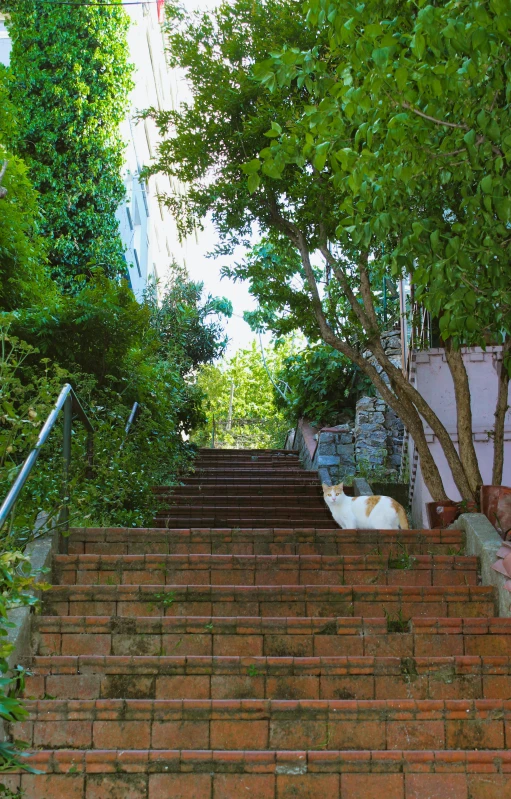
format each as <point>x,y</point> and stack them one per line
<point>323,385</point>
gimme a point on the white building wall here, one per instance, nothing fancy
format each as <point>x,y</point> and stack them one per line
<point>5,43</point>
<point>147,229</point>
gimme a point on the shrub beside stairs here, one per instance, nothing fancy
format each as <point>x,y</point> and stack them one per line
<point>246,647</point>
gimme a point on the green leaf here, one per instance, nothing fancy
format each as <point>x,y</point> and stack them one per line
<point>418,45</point>
<point>253,182</point>
<point>381,56</point>
<point>252,166</point>
<point>321,156</point>
<point>401,76</point>
<point>487,184</point>
<point>435,241</point>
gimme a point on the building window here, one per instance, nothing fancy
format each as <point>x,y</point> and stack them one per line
<point>143,186</point>
<point>137,263</point>
<point>130,220</point>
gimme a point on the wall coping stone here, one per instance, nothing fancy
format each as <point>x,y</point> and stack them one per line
<point>483,540</point>
<point>361,487</point>
<point>40,553</point>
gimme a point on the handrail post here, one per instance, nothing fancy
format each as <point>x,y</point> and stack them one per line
<point>90,456</point>
<point>66,458</point>
<point>213,433</point>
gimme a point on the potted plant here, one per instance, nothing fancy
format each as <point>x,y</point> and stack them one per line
<point>496,506</point>
<point>442,514</point>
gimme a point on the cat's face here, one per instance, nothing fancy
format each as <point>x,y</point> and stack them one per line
<point>332,493</point>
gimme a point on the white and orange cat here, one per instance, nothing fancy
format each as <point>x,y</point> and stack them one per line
<point>364,513</point>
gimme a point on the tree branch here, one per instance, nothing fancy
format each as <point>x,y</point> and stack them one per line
<point>463,416</point>
<point>500,417</point>
<point>444,123</point>
<point>3,190</point>
<point>433,119</point>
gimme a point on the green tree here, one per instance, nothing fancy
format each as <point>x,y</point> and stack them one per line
<point>407,115</point>
<point>70,80</point>
<point>240,397</point>
<point>309,193</point>
<point>187,322</point>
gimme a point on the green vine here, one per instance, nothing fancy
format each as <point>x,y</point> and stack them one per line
<point>70,80</point>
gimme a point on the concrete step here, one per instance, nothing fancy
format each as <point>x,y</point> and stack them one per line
<point>272,637</point>
<point>302,774</point>
<point>400,569</point>
<point>273,600</point>
<point>224,677</point>
<point>264,541</point>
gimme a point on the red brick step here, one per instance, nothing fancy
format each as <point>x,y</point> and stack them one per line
<point>187,774</point>
<point>400,569</point>
<point>272,600</point>
<point>271,637</point>
<point>393,724</point>
<point>264,541</point>
<point>221,677</point>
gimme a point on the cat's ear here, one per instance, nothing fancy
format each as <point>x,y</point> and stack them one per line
<point>341,486</point>
<point>325,486</point>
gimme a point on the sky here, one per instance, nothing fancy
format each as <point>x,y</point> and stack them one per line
<point>207,270</point>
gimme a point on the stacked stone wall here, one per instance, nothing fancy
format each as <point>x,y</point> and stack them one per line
<point>373,442</point>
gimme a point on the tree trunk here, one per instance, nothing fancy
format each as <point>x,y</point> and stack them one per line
<point>500,416</point>
<point>401,405</point>
<point>406,389</point>
<point>467,450</point>
<point>368,319</point>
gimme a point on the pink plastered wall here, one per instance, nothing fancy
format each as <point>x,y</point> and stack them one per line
<point>431,376</point>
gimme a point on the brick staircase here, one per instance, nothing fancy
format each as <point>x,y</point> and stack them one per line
<point>245,647</point>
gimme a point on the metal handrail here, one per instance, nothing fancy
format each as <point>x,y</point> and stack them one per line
<point>133,415</point>
<point>68,401</point>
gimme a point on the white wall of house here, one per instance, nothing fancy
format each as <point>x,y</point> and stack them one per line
<point>5,43</point>
<point>432,378</point>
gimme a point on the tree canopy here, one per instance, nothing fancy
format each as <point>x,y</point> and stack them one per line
<point>305,110</point>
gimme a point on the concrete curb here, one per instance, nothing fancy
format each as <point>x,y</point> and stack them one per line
<point>40,553</point>
<point>483,540</point>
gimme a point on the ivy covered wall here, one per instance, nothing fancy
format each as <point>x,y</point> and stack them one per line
<point>70,80</point>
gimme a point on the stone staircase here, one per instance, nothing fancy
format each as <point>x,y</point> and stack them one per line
<point>246,647</point>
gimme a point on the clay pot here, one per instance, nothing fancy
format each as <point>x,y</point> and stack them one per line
<point>442,514</point>
<point>496,506</point>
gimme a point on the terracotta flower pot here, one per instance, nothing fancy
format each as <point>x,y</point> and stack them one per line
<point>442,514</point>
<point>496,506</point>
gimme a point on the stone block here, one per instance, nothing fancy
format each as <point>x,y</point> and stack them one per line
<point>366,428</point>
<point>365,402</point>
<point>328,460</point>
<point>324,476</point>
<point>325,449</point>
<point>326,438</point>
<point>346,450</point>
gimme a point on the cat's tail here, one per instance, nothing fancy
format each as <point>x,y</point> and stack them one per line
<point>403,519</point>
